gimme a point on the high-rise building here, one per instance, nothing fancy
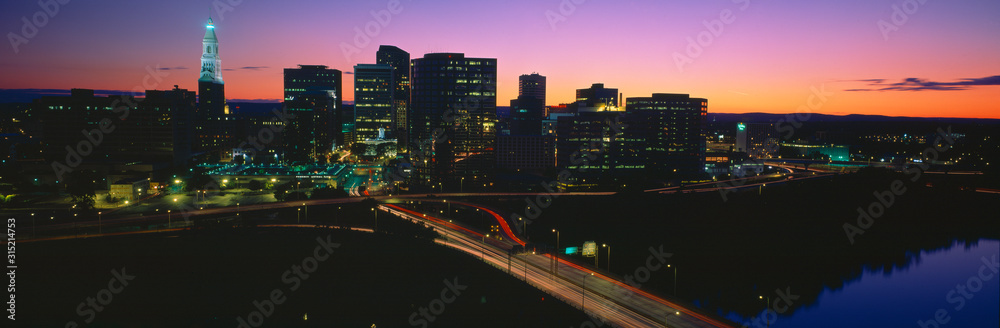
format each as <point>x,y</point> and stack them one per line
<point>757,140</point>
<point>107,133</point>
<point>532,85</point>
<point>211,127</point>
<point>528,110</point>
<point>313,95</point>
<point>374,110</point>
<point>672,130</point>
<point>452,121</point>
<point>400,62</point>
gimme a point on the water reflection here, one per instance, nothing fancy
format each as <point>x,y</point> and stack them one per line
<point>957,280</point>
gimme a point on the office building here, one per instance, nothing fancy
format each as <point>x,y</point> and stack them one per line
<point>314,96</point>
<point>453,117</point>
<point>399,60</point>
<point>757,140</point>
<point>374,104</point>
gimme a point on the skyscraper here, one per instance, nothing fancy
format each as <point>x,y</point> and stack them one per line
<point>210,128</point>
<point>374,111</point>
<point>313,95</point>
<point>532,85</point>
<point>672,130</point>
<point>399,60</point>
<point>453,119</point>
<point>528,110</point>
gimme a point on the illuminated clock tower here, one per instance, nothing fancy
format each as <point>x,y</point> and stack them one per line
<point>211,127</point>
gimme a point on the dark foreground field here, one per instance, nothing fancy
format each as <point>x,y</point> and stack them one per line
<point>210,278</point>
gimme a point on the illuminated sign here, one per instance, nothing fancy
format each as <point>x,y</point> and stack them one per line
<point>589,248</point>
<point>572,250</point>
<point>741,126</point>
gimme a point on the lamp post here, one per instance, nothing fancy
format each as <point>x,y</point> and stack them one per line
<point>675,279</point>
<point>100,228</point>
<point>766,305</point>
<point>583,300</point>
<point>555,256</point>
<point>298,216</point>
<point>376,219</point>
<point>609,256</point>
<point>238,209</point>
<point>168,219</point>
<point>307,211</point>
<point>484,246</point>
<point>33,223</point>
<point>461,185</point>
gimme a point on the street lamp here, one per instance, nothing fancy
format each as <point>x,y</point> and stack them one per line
<point>33,222</point>
<point>766,305</point>
<point>376,219</point>
<point>303,205</point>
<point>675,279</point>
<point>100,228</point>
<point>556,254</point>
<point>168,219</point>
<point>583,301</point>
<point>609,255</point>
<point>461,185</point>
<point>298,215</point>
<point>238,210</point>
<point>484,246</point>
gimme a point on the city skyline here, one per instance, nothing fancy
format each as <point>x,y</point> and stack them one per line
<point>757,57</point>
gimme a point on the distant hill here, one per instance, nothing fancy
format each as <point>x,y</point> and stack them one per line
<point>765,117</point>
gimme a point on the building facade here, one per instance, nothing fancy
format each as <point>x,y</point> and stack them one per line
<point>374,103</point>
<point>453,118</point>
<point>313,96</point>
<point>399,60</point>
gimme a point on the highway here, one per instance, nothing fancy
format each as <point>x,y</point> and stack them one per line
<point>605,299</point>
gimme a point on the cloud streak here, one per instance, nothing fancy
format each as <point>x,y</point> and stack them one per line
<point>918,84</point>
<point>247,68</point>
